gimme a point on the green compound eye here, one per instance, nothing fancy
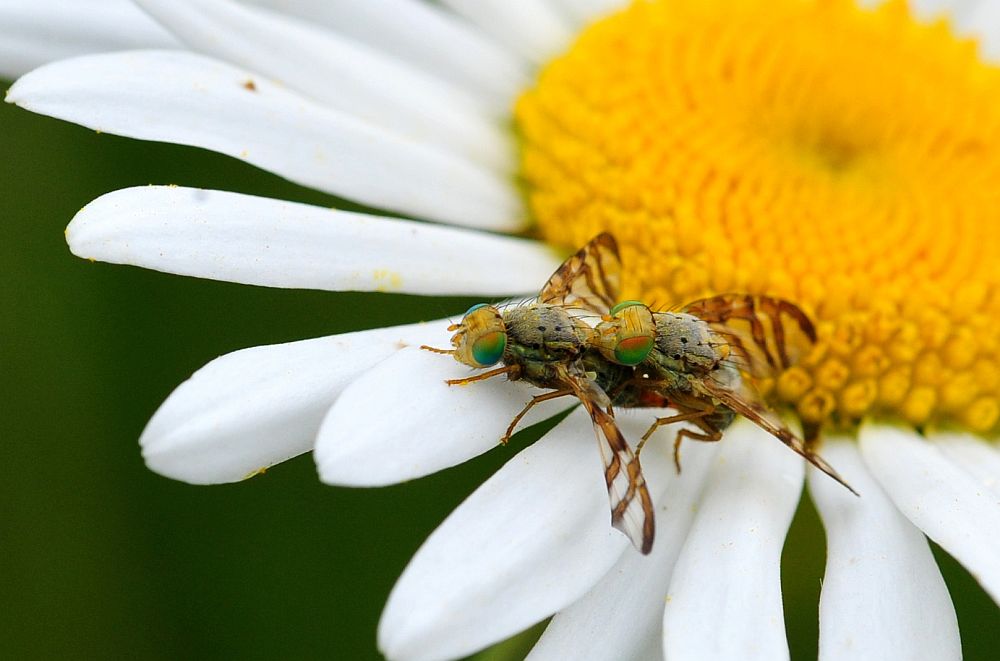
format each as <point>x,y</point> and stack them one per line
<point>624,304</point>
<point>633,350</point>
<point>488,349</point>
<point>474,308</point>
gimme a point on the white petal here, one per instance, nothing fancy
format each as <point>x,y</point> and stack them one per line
<point>432,425</point>
<point>984,23</point>
<point>339,73</point>
<point>940,498</point>
<point>35,32</point>
<point>967,17</point>
<point>187,98</point>
<point>532,539</point>
<point>423,35</point>
<point>725,594</point>
<point>258,241</point>
<point>528,27</point>
<point>585,11</point>
<point>932,9</point>
<point>622,616</point>
<point>883,596</point>
<point>981,459</point>
<point>254,408</point>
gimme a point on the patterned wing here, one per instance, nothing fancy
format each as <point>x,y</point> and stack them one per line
<point>631,506</point>
<point>589,279</point>
<point>768,334</point>
<point>743,399</point>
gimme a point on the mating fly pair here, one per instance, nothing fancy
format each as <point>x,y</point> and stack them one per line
<point>694,361</point>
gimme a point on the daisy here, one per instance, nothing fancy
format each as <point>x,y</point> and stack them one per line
<point>34,33</point>
<point>843,158</point>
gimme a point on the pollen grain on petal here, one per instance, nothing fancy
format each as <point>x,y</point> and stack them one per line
<point>846,159</point>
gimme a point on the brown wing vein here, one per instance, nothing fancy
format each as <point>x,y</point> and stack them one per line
<point>762,417</point>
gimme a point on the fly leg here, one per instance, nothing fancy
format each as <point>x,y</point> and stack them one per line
<point>659,422</point>
<point>705,436</point>
<point>537,399</point>
<point>447,352</point>
<point>694,410</point>
<point>512,372</point>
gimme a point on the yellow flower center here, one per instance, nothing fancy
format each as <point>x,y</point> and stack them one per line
<point>845,159</point>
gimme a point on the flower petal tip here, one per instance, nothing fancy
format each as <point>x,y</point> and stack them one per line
<point>21,91</point>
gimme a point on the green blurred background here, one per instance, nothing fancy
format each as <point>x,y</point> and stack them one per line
<point>100,556</point>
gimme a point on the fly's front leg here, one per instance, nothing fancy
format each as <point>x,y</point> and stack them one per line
<point>512,372</point>
<point>446,352</point>
<point>537,399</point>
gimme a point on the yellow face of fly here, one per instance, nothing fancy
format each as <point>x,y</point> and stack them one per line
<point>627,334</point>
<point>481,337</point>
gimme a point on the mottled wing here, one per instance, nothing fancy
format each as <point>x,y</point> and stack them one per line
<point>744,400</point>
<point>631,506</point>
<point>589,279</point>
<point>767,335</point>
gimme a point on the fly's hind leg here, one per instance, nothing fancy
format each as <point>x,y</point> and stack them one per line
<point>537,399</point>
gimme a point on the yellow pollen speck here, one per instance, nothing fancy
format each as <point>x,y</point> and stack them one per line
<point>846,159</point>
<point>387,280</point>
